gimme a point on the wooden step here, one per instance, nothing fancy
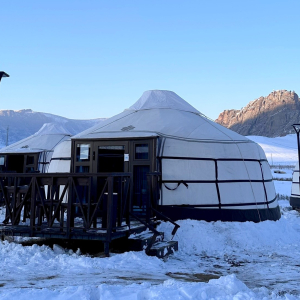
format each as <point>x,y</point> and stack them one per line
<point>140,241</point>
<point>164,248</point>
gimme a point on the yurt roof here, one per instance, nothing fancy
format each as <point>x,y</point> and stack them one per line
<point>162,99</point>
<point>161,113</point>
<point>45,139</point>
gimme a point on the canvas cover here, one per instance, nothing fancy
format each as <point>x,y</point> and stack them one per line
<point>189,145</point>
<point>61,158</point>
<point>295,192</point>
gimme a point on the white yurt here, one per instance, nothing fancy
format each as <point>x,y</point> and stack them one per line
<point>208,172</point>
<point>295,194</point>
<point>34,153</point>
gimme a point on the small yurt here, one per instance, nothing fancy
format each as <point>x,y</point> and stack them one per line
<point>295,194</point>
<point>207,172</point>
<point>34,153</point>
<point>61,158</point>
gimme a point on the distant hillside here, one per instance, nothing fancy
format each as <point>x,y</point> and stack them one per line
<point>25,122</point>
<point>269,116</point>
<point>281,150</point>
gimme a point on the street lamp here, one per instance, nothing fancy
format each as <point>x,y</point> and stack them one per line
<point>3,74</point>
<point>297,129</point>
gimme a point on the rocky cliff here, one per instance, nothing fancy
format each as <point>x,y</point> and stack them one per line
<point>269,116</point>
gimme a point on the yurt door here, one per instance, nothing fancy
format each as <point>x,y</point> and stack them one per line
<point>110,157</point>
<point>101,157</point>
<point>142,162</point>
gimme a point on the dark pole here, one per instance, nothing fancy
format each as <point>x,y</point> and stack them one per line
<point>298,156</point>
<point>297,129</point>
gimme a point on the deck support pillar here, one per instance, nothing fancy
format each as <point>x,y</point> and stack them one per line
<point>106,249</point>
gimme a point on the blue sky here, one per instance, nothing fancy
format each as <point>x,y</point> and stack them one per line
<point>90,59</point>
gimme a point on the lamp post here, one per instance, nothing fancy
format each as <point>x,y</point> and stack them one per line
<point>3,74</point>
<point>297,129</point>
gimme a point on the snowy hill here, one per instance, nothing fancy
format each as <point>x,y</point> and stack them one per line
<point>25,122</point>
<point>279,150</point>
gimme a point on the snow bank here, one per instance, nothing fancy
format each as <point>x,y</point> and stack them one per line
<point>220,238</point>
<point>226,287</point>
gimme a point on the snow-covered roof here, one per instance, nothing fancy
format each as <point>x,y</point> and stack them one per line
<point>162,99</point>
<point>52,128</point>
<point>45,139</point>
<point>161,113</point>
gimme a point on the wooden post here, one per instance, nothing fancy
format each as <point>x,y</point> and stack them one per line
<point>69,208</point>
<point>14,201</point>
<point>33,205</point>
<point>149,194</point>
<point>89,202</point>
<point>129,202</point>
<point>106,249</point>
<point>109,225</point>
<point>120,200</point>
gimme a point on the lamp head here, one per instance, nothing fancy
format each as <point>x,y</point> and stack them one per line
<point>3,74</point>
<point>296,127</point>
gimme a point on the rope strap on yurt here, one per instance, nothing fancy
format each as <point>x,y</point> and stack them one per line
<point>263,178</point>
<point>178,184</point>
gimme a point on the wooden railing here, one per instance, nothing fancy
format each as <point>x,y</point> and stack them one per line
<point>77,206</point>
<point>59,200</point>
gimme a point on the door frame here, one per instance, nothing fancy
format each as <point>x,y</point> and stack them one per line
<point>129,144</point>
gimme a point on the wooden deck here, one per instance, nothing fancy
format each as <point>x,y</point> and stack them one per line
<point>74,206</point>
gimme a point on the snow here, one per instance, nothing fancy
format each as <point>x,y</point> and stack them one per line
<point>279,150</point>
<point>216,260</point>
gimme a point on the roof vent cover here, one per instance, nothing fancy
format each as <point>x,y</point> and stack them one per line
<point>130,127</point>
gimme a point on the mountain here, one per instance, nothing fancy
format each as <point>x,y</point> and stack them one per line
<point>268,116</point>
<point>25,122</point>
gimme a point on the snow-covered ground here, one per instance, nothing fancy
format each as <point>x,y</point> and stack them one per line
<point>216,260</point>
<point>280,150</point>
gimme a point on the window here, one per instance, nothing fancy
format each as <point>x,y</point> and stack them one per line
<point>2,160</point>
<point>83,152</point>
<point>141,151</point>
<point>30,160</point>
<point>111,158</point>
